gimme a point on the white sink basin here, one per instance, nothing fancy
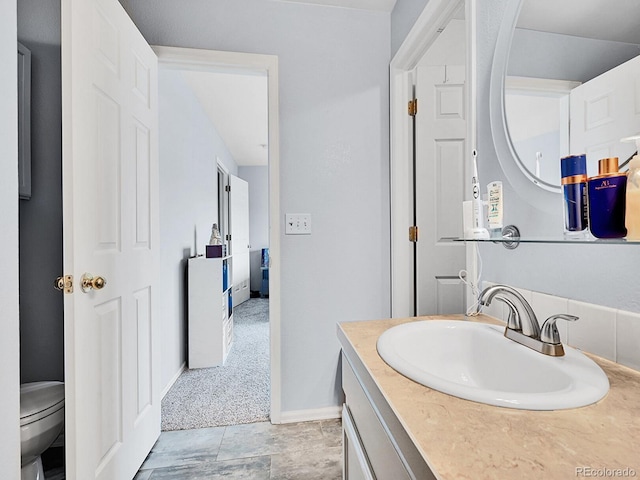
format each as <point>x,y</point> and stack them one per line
<point>476,362</point>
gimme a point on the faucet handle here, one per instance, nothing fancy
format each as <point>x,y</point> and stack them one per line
<point>549,331</point>
<point>513,318</point>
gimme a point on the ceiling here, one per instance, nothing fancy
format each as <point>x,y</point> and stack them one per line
<point>617,20</point>
<point>237,106</point>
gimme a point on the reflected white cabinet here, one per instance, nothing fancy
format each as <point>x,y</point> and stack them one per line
<point>210,305</point>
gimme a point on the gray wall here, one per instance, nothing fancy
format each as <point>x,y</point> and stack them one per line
<point>189,148</point>
<point>404,16</point>
<point>9,344</point>
<point>605,275</point>
<point>334,164</point>
<point>41,307</point>
<point>258,179</point>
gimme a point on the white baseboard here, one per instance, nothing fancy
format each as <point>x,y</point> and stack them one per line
<point>326,413</point>
<point>166,389</point>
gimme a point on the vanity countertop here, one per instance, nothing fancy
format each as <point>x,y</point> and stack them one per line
<point>461,439</point>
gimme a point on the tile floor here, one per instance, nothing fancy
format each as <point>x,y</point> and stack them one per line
<point>255,451</point>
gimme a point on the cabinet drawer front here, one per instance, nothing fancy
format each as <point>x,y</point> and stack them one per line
<point>355,464</point>
<point>382,455</point>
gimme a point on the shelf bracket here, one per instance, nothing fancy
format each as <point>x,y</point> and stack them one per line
<point>511,232</point>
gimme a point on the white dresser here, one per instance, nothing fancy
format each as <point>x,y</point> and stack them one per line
<point>210,311</point>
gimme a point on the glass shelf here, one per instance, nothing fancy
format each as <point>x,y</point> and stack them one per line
<point>565,240</point>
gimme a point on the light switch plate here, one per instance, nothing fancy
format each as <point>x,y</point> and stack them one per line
<point>297,224</point>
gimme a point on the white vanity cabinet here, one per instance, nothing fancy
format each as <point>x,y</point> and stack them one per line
<point>210,317</point>
<point>375,445</point>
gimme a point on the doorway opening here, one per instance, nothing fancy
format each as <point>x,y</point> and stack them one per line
<point>437,59</point>
<point>220,83</point>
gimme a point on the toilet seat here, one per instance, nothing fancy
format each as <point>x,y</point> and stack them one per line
<point>39,400</point>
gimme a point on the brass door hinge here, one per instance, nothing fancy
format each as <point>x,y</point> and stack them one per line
<point>413,107</point>
<point>64,284</point>
<point>413,233</point>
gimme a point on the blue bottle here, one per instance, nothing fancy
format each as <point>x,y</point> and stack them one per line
<point>574,192</point>
<point>607,200</point>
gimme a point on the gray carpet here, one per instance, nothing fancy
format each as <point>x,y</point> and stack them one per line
<point>235,393</point>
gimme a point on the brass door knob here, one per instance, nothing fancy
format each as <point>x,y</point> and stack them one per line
<point>89,282</point>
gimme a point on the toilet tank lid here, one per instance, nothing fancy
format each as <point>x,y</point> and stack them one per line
<point>38,396</point>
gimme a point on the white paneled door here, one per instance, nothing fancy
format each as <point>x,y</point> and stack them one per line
<point>440,160</point>
<point>239,219</point>
<point>604,110</point>
<point>110,188</point>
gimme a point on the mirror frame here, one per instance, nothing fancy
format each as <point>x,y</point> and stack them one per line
<point>543,195</point>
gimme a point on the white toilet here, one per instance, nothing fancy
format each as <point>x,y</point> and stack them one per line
<point>41,421</point>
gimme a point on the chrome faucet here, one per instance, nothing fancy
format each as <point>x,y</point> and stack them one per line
<point>522,323</point>
<point>528,322</point>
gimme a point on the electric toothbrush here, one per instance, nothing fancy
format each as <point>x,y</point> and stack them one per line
<point>477,231</point>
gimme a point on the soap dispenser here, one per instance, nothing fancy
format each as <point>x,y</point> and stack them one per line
<point>607,197</point>
<point>632,214</point>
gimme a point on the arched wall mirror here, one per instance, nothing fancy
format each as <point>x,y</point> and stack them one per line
<point>565,80</point>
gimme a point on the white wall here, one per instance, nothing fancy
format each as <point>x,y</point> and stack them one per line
<point>334,163</point>
<point>258,180</point>
<point>597,274</point>
<point>189,146</point>
<point>9,337</point>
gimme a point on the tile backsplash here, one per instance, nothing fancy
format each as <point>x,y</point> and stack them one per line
<point>606,332</point>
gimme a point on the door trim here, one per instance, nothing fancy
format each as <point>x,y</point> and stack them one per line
<point>214,60</point>
<point>10,341</point>
<point>435,15</point>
